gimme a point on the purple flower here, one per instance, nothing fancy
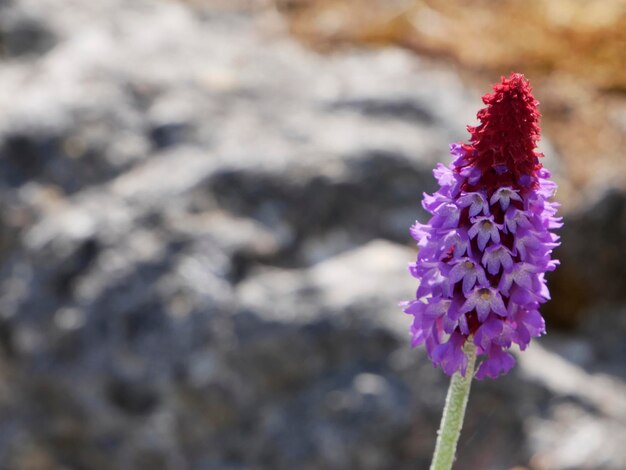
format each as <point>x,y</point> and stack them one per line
<point>456,242</point>
<point>476,202</point>
<point>486,229</point>
<point>522,274</point>
<point>498,362</point>
<point>450,356</point>
<point>496,256</point>
<point>484,300</point>
<point>470,272</point>
<point>504,197</point>
<point>446,216</point>
<point>514,218</point>
<point>483,254</point>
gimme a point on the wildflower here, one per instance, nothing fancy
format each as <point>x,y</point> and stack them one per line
<point>487,246</point>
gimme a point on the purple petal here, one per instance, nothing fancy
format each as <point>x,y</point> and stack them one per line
<point>498,305</point>
<point>487,331</point>
<point>450,355</point>
<point>498,362</point>
<point>482,308</point>
<point>483,238</point>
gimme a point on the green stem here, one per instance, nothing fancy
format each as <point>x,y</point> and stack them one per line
<point>454,412</point>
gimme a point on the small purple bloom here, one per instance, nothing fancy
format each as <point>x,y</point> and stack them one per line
<point>504,196</point>
<point>523,274</point>
<point>514,218</point>
<point>496,256</point>
<point>486,229</point>
<point>450,355</point>
<point>476,202</point>
<point>433,279</point>
<point>470,272</point>
<point>484,300</point>
<point>446,216</point>
<point>457,242</point>
<point>419,231</point>
<point>528,243</point>
<point>488,331</point>
<point>497,362</point>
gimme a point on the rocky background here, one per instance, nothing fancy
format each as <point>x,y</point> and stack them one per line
<point>204,238</point>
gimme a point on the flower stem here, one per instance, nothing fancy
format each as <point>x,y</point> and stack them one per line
<point>454,412</point>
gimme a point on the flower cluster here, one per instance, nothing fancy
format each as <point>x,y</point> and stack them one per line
<point>483,254</point>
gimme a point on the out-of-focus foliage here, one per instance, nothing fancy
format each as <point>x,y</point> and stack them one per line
<point>573,51</point>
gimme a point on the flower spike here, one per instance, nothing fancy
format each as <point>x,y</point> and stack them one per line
<point>488,244</point>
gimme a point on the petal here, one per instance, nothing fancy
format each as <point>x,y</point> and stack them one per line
<point>449,325</point>
<point>457,272</point>
<point>506,259</point>
<point>511,225</point>
<point>505,283</point>
<point>490,259</point>
<point>473,231</point>
<point>443,175</point>
<point>469,280</point>
<point>495,234</point>
<point>418,231</point>
<point>483,238</point>
<point>415,307</point>
<point>469,304</point>
<point>521,296</point>
<point>533,320</point>
<point>413,270</point>
<point>418,336</point>
<point>454,310</point>
<point>494,197</point>
<point>433,202</point>
<point>483,308</point>
<point>522,278</point>
<point>482,279</point>
<point>522,336</point>
<point>450,355</point>
<point>463,326</point>
<point>437,308</point>
<point>475,208</point>
<point>498,305</point>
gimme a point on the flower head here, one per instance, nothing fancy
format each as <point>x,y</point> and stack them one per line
<point>487,246</point>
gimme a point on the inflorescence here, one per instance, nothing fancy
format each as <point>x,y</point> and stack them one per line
<point>484,253</point>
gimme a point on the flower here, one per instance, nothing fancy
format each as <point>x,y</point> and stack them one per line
<point>484,253</point>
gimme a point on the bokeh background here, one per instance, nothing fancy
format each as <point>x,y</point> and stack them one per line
<point>204,212</point>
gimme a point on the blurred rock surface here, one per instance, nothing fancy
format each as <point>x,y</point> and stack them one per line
<point>203,241</point>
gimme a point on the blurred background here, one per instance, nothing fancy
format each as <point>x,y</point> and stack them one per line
<point>204,213</point>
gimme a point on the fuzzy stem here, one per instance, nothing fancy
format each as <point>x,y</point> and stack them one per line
<point>454,412</point>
